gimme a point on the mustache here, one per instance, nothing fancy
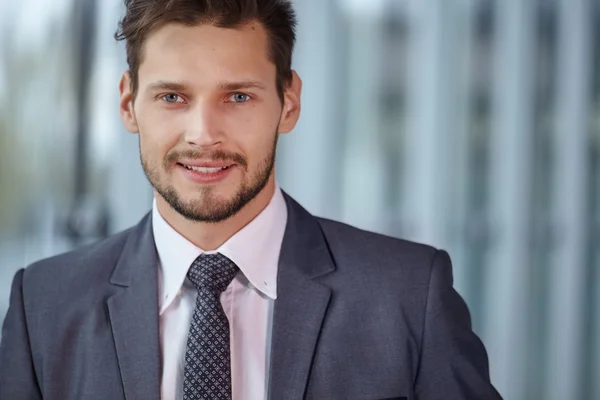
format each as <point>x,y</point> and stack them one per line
<point>217,155</point>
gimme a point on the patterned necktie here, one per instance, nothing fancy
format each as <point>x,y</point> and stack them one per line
<point>207,373</point>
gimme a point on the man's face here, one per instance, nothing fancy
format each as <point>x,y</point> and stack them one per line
<point>209,116</point>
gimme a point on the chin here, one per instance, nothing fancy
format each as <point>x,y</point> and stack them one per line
<point>208,196</point>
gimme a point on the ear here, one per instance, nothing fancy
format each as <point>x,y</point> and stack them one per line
<point>291,105</point>
<point>126,104</point>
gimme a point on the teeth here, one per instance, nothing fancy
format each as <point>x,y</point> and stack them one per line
<point>205,170</point>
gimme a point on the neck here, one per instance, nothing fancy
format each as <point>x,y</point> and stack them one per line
<point>210,236</point>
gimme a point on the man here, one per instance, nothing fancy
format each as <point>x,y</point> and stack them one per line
<point>229,288</point>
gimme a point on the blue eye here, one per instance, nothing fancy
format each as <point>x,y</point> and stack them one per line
<point>171,98</point>
<point>240,98</point>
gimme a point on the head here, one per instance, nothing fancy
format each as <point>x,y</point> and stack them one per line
<point>209,90</point>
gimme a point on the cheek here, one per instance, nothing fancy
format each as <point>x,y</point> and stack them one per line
<point>255,133</point>
<point>261,125</point>
<point>252,131</point>
<point>261,149</point>
<point>158,133</point>
<point>262,116</point>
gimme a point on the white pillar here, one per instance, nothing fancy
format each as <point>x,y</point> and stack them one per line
<point>595,389</point>
<point>458,71</point>
<point>509,185</point>
<point>309,165</point>
<point>429,131</point>
<point>129,195</point>
<point>364,179</point>
<point>569,264</point>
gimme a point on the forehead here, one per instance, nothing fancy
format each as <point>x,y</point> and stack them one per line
<point>206,53</point>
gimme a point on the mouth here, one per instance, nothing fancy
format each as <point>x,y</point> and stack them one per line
<point>206,170</point>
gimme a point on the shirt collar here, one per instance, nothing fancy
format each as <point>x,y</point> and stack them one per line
<point>254,249</point>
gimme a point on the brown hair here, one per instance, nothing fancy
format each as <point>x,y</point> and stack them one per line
<point>143,17</point>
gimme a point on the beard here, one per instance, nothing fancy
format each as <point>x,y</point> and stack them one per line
<point>208,207</point>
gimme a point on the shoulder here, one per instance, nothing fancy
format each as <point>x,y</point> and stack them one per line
<point>82,267</point>
<point>360,243</point>
<point>369,256</point>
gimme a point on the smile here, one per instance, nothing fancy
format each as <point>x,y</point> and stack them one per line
<point>206,170</point>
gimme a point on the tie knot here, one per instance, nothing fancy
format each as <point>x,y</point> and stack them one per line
<point>213,272</point>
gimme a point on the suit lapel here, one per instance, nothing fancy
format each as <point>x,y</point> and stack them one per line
<point>298,317</point>
<point>133,315</point>
<point>301,304</point>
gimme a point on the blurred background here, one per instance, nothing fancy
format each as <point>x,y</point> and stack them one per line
<point>472,125</point>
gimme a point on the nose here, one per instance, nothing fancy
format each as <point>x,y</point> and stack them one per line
<point>203,126</point>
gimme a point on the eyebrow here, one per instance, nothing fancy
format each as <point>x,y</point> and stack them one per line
<point>170,86</point>
<point>233,86</point>
<point>225,86</point>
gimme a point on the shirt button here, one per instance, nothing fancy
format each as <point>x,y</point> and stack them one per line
<point>251,286</point>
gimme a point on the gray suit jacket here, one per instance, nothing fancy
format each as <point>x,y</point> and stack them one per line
<point>358,316</point>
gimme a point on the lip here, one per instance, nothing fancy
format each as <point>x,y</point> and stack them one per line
<point>206,164</point>
<point>205,178</point>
